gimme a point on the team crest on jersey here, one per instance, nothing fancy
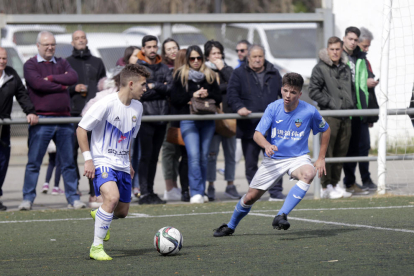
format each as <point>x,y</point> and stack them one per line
<point>298,122</point>
<point>323,123</point>
<point>273,132</point>
<point>134,118</point>
<point>104,175</point>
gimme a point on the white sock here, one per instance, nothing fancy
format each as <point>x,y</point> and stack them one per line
<point>102,222</point>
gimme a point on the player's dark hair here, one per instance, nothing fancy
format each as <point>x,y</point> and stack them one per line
<point>354,30</point>
<point>244,41</point>
<point>208,47</point>
<point>334,40</point>
<point>132,71</point>
<point>293,79</point>
<point>147,38</point>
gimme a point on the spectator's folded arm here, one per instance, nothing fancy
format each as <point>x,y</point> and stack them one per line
<point>233,93</point>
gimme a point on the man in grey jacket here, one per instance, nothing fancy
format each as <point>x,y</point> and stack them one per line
<point>331,87</point>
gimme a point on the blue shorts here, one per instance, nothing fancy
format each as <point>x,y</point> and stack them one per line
<point>122,179</point>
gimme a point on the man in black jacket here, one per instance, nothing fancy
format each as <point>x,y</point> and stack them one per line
<point>154,100</point>
<point>90,70</point>
<point>10,85</point>
<point>364,82</point>
<point>331,87</point>
<point>251,88</point>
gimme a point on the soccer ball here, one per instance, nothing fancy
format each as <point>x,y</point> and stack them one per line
<point>168,241</point>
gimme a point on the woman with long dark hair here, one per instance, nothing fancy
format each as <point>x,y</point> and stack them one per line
<point>214,54</point>
<point>169,52</point>
<point>195,79</point>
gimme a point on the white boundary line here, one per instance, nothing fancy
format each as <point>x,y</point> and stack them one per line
<point>338,223</point>
<point>253,213</point>
<point>339,209</point>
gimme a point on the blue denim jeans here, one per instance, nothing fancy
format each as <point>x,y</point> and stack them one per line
<point>197,136</point>
<point>229,149</point>
<point>39,138</point>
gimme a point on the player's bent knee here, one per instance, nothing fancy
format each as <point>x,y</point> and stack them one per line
<point>308,175</point>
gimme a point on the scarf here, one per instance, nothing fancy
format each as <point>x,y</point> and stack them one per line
<point>196,76</point>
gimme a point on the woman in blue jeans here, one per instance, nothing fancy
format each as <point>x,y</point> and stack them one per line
<point>195,79</point>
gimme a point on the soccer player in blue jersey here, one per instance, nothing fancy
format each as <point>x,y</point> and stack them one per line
<point>114,121</point>
<point>283,132</point>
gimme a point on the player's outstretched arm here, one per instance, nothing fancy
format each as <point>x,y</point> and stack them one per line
<point>262,142</point>
<point>82,136</point>
<point>131,169</point>
<point>320,163</point>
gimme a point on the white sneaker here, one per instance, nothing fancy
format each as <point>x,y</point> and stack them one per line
<point>197,199</point>
<point>342,191</point>
<point>26,205</point>
<point>77,204</point>
<point>330,193</point>
<point>173,194</point>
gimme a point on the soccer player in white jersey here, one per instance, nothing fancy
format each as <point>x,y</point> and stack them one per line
<point>286,123</point>
<point>114,121</point>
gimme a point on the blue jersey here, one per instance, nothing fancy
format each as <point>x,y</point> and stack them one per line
<point>289,131</point>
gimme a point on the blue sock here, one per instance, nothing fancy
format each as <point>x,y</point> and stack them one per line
<point>295,195</point>
<point>240,212</point>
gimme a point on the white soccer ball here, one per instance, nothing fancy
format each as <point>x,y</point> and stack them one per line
<point>168,241</point>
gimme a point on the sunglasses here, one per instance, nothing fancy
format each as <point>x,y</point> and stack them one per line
<point>240,50</point>
<point>192,59</point>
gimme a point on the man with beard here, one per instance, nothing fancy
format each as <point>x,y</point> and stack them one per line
<point>154,101</point>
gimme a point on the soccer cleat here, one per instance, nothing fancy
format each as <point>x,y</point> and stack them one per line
<point>280,222</point>
<point>98,253</point>
<point>93,214</point>
<point>223,230</point>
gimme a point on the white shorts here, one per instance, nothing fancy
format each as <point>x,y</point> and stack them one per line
<point>271,170</point>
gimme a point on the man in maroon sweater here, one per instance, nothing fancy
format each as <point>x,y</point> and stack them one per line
<point>47,80</point>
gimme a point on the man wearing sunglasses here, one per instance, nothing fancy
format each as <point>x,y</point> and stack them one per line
<point>241,50</point>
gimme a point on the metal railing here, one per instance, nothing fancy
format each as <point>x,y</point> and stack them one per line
<point>316,143</point>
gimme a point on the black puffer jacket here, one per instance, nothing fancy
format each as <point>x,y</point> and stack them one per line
<point>244,90</point>
<point>181,95</point>
<point>224,74</point>
<point>90,70</point>
<point>330,85</point>
<point>154,101</point>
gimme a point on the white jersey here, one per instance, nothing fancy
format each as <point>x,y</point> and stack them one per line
<point>113,126</point>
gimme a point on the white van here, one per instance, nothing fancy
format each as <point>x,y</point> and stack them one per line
<point>185,35</point>
<point>291,47</point>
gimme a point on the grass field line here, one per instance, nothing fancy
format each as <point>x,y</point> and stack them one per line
<point>350,208</point>
<point>253,212</point>
<point>338,223</point>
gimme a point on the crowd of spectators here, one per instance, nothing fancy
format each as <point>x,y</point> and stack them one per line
<point>63,87</point>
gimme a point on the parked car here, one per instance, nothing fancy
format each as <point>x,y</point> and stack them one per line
<point>292,47</point>
<point>24,36</point>
<point>107,46</point>
<point>185,35</point>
